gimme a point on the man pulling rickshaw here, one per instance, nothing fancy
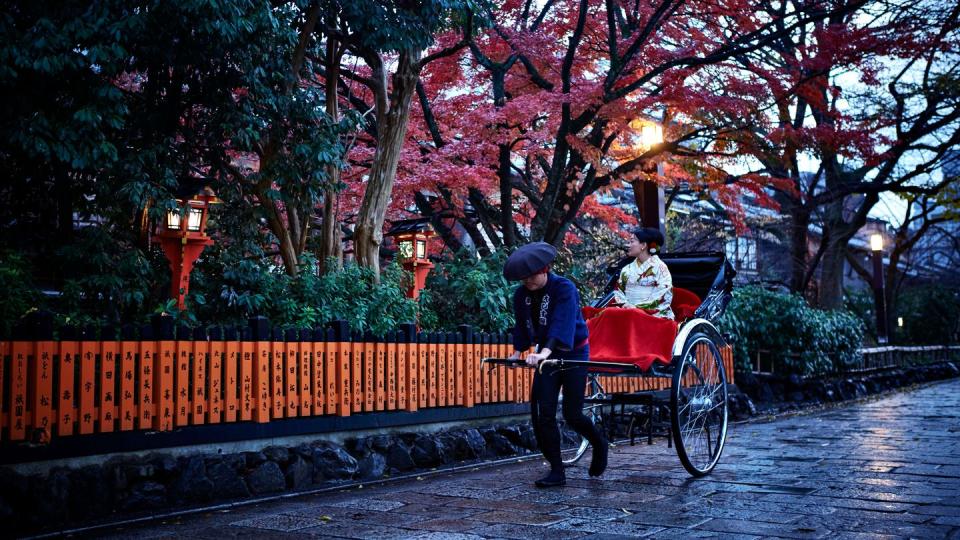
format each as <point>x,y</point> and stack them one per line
<point>638,339</point>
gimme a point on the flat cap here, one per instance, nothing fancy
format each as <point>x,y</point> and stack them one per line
<point>648,235</point>
<point>528,260</point>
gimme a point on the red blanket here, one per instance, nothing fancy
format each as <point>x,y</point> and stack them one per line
<point>629,336</point>
<point>684,304</point>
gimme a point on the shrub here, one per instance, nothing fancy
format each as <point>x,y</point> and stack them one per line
<point>931,315</point>
<point>19,294</point>
<point>247,287</point>
<point>467,290</point>
<point>799,339</point>
<point>861,303</point>
<point>105,277</point>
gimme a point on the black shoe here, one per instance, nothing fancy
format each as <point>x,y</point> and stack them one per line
<point>554,479</point>
<point>598,463</point>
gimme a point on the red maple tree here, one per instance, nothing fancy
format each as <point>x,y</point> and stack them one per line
<point>858,104</point>
<point>533,120</point>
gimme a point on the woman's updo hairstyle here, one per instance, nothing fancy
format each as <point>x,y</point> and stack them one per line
<point>650,236</point>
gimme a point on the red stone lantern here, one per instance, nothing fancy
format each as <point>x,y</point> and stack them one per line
<point>411,236</point>
<point>182,235</point>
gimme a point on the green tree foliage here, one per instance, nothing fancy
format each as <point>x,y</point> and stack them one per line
<point>111,107</point>
<point>229,290</point>
<point>19,294</point>
<point>108,281</point>
<point>473,289</point>
<point>394,26</point>
<point>931,315</point>
<point>796,338</point>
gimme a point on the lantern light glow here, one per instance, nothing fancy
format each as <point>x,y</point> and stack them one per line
<point>651,135</point>
<point>876,242</point>
<point>194,218</point>
<point>173,220</point>
<point>406,249</point>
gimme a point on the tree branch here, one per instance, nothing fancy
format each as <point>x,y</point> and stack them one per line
<point>467,39</point>
<point>428,115</point>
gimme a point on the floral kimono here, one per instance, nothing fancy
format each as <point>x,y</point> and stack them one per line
<point>646,285</point>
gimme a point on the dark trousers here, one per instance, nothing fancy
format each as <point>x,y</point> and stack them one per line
<point>544,395</point>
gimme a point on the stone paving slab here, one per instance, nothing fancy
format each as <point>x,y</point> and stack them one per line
<point>887,468</point>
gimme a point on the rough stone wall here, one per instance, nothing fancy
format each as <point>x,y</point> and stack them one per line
<point>125,487</point>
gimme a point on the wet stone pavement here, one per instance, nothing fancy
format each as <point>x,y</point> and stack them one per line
<point>888,468</point>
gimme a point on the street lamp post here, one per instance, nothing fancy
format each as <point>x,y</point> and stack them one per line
<point>649,195</point>
<point>879,299</point>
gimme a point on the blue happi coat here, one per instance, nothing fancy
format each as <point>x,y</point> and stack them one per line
<point>561,325</point>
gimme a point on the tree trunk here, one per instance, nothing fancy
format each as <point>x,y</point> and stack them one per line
<point>799,247</point>
<point>836,232</point>
<point>368,234</point>
<point>425,207</point>
<point>498,78</point>
<point>331,239</point>
<point>567,203</point>
<point>831,274</point>
<point>506,197</point>
<point>288,252</point>
<point>331,245</point>
<point>297,229</point>
<point>473,232</point>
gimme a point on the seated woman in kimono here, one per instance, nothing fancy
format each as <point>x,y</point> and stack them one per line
<point>646,283</point>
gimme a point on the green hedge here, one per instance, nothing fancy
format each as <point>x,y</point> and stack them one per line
<point>467,290</point>
<point>797,339</point>
<point>115,287</point>
<point>930,313</point>
<point>228,291</point>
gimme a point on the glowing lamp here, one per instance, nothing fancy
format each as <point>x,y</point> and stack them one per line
<point>411,237</point>
<point>173,220</point>
<point>182,237</point>
<point>195,217</point>
<point>651,133</point>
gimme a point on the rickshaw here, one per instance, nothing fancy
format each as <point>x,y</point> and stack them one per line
<point>687,352</point>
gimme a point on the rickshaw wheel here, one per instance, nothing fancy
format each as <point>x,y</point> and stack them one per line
<point>593,412</point>
<point>698,404</point>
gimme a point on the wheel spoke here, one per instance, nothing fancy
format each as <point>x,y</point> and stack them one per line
<point>700,405</point>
